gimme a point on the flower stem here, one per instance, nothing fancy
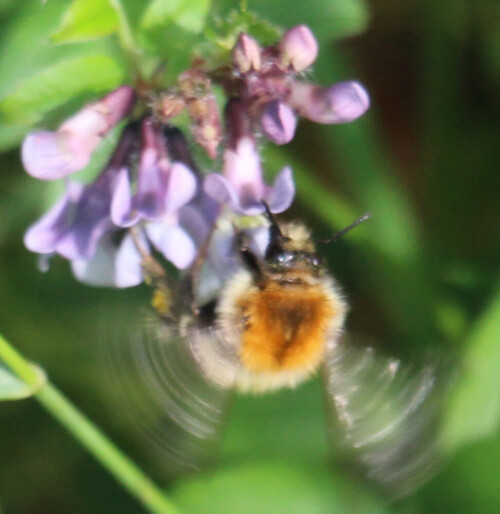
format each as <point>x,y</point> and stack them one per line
<point>126,37</point>
<point>112,458</point>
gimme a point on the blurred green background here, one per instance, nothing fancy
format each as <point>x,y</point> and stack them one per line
<point>423,271</point>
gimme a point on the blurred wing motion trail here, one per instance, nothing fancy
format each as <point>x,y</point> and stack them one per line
<point>177,412</point>
<point>384,414</point>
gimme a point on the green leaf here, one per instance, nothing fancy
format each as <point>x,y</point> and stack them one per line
<point>25,49</point>
<point>59,83</point>
<point>468,483</point>
<point>190,15</point>
<point>171,30</point>
<point>12,388</point>
<point>328,19</point>
<point>474,407</point>
<point>272,426</point>
<point>273,486</point>
<point>86,20</point>
<point>11,136</point>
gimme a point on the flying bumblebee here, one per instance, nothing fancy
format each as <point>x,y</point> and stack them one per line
<point>278,319</point>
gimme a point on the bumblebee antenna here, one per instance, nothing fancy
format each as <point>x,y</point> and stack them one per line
<point>275,229</point>
<point>276,237</point>
<point>338,235</point>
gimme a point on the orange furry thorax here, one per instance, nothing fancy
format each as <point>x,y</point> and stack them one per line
<point>286,327</point>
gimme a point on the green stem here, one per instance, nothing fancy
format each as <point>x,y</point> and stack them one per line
<point>126,37</point>
<point>119,465</point>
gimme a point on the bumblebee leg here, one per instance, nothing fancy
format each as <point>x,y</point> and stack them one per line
<point>189,280</point>
<point>248,257</point>
<point>155,276</point>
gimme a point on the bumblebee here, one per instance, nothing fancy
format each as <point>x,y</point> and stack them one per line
<point>279,317</point>
<point>274,318</point>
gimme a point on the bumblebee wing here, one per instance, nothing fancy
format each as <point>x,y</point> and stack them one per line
<point>384,414</point>
<point>175,409</point>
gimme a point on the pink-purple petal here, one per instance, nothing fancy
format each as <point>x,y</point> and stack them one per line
<point>44,235</point>
<point>181,187</point>
<point>220,189</point>
<point>278,122</point>
<point>112,265</point>
<point>281,195</point>
<point>121,201</point>
<point>47,155</point>
<point>151,191</point>
<point>298,47</point>
<point>173,242</point>
<point>80,242</point>
<point>242,166</point>
<point>348,101</point>
<point>340,103</point>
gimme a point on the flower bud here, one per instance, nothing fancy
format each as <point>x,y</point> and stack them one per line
<point>278,122</point>
<point>246,54</point>
<point>298,48</point>
<point>204,114</point>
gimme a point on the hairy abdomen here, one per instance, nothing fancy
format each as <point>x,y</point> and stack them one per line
<point>285,327</point>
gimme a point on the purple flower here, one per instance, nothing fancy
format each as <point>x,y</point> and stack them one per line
<point>73,227</point>
<point>242,186</point>
<point>53,155</point>
<point>340,103</point>
<point>265,81</point>
<point>162,189</point>
<point>77,221</point>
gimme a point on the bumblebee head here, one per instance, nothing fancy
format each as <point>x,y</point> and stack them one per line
<point>291,248</point>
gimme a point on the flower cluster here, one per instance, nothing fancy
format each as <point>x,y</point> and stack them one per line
<point>151,194</point>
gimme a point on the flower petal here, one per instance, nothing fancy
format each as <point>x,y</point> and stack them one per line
<point>152,188</point>
<point>220,189</point>
<point>242,166</point>
<point>278,122</point>
<point>121,201</point>
<point>48,156</point>
<point>298,48</point>
<point>181,187</point>
<point>112,265</point>
<point>128,264</point>
<point>173,242</point>
<point>348,101</point>
<point>44,235</point>
<point>281,195</point>
<point>340,103</point>
<point>91,220</point>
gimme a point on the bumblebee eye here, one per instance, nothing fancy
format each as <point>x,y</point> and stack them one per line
<point>285,258</point>
<point>315,260</point>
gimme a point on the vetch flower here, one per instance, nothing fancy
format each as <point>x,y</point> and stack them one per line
<point>162,189</point>
<point>74,225</point>
<point>53,155</point>
<point>242,186</point>
<point>151,194</point>
<point>267,82</point>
